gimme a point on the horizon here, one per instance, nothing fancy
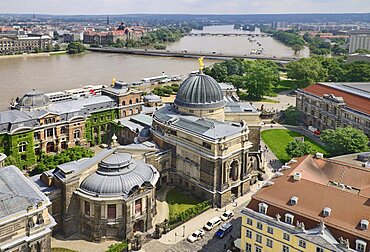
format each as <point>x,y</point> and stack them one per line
<point>196,7</point>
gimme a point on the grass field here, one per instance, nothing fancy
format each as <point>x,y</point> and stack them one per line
<point>178,201</point>
<point>278,139</point>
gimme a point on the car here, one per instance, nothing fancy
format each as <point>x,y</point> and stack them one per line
<point>227,215</point>
<point>224,230</point>
<point>215,221</point>
<point>197,235</point>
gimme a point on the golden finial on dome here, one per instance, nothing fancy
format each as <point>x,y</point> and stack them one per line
<point>113,81</point>
<point>201,63</point>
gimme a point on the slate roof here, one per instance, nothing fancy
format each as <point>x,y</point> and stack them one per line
<point>17,192</point>
<point>197,125</point>
<point>239,107</point>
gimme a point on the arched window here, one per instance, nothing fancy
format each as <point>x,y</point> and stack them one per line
<point>123,103</point>
<point>131,111</point>
<point>233,175</point>
<point>63,130</point>
<point>22,146</point>
<point>137,100</point>
<point>77,134</point>
<point>130,101</point>
<point>123,113</point>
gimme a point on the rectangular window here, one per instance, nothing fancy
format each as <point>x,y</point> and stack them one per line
<point>269,243</point>
<point>87,208</point>
<point>111,211</point>
<point>302,244</point>
<point>248,247</point>
<point>258,249</point>
<point>138,207</point>
<point>207,145</point>
<point>285,248</point>
<point>249,221</point>
<point>258,238</point>
<point>288,219</point>
<point>270,230</point>
<point>249,234</point>
<point>286,237</point>
<point>259,225</point>
<point>318,249</point>
<point>360,247</point>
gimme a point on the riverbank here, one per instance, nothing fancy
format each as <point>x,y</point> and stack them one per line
<point>28,55</point>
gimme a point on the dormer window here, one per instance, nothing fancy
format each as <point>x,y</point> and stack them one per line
<point>262,208</point>
<point>289,218</point>
<point>294,200</point>
<point>326,211</point>
<point>360,245</point>
<point>364,224</point>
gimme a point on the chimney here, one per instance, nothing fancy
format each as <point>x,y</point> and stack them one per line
<point>319,155</point>
<point>297,176</point>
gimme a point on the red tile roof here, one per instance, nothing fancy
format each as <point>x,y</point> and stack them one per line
<point>316,190</point>
<point>352,101</point>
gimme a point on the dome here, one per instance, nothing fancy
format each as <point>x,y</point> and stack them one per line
<point>200,91</point>
<point>117,175</point>
<point>34,99</point>
<point>152,98</point>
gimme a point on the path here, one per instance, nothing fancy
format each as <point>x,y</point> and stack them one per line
<point>79,244</point>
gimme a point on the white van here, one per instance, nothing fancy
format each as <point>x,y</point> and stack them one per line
<point>215,221</point>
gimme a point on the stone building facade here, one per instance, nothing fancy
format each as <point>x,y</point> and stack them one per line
<point>25,222</point>
<point>202,152</point>
<point>22,43</point>
<point>332,105</point>
<point>110,196</point>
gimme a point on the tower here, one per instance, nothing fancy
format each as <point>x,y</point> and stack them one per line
<point>107,20</point>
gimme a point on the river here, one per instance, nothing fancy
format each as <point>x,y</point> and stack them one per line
<point>59,72</point>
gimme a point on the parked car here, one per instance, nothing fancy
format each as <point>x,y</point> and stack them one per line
<point>215,221</point>
<point>224,230</point>
<point>197,235</point>
<point>227,215</point>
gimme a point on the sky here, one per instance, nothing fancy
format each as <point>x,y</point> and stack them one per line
<point>183,6</point>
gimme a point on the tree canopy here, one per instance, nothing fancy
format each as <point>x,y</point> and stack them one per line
<point>298,148</point>
<point>75,47</point>
<point>345,140</point>
<point>306,71</point>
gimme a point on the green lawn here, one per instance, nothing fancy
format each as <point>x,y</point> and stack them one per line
<point>278,139</point>
<point>285,85</point>
<point>178,201</point>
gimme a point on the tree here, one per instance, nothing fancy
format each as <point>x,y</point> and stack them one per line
<point>298,148</point>
<point>365,51</point>
<point>75,47</point>
<point>297,48</point>
<point>291,115</point>
<point>358,71</point>
<point>56,47</point>
<point>259,78</point>
<point>345,140</point>
<point>306,71</point>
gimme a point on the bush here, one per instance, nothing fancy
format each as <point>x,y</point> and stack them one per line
<point>291,115</point>
<point>118,247</point>
<point>298,148</point>
<point>75,47</point>
<point>189,213</point>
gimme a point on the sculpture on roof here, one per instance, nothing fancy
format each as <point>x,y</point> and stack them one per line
<point>322,227</point>
<point>113,81</point>
<point>278,217</point>
<point>344,242</point>
<point>201,63</point>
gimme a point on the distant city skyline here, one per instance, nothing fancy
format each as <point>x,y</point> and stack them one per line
<point>91,7</point>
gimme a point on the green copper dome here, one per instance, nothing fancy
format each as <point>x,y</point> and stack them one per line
<point>200,91</point>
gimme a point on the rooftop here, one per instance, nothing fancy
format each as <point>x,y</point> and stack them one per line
<point>200,126</point>
<point>356,95</point>
<point>344,188</point>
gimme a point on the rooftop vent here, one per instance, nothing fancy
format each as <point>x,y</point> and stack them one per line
<point>297,176</point>
<point>294,200</point>
<point>284,167</point>
<point>267,184</point>
<point>277,174</point>
<point>319,155</point>
<point>326,211</point>
<point>364,224</point>
<point>341,186</point>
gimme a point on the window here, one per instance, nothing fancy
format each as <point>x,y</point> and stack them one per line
<point>49,132</point>
<point>364,224</point>
<point>63,130</point>
<point>360,245</point>
<point>207,145</point>
<point>286,236</point>
<point>294,200</point>
<point>258,238</point>
<point>285,248</point>
<point>130,102</point>
<point>318,249</point>
<point>302,244</point>
<point>262,208</point>
<point>87,208</point>
<point>259,225</point>
<point>138,209</point>
<point>249,221</point>
<point>249,234</point>
<point>111,211</point>
<point>269,243</point>
<point>248,247</point>
<point>270,230</point>
<point>76,134</point>
<point>289,218</point>
<point>258,249</point>
<point>22,146</point>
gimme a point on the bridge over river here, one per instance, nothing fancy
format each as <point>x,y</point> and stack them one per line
<point>231,34</point>
<point>186,54</point>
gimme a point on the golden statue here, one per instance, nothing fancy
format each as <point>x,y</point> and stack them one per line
<point>113,81</point>
<point>201,63</point>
